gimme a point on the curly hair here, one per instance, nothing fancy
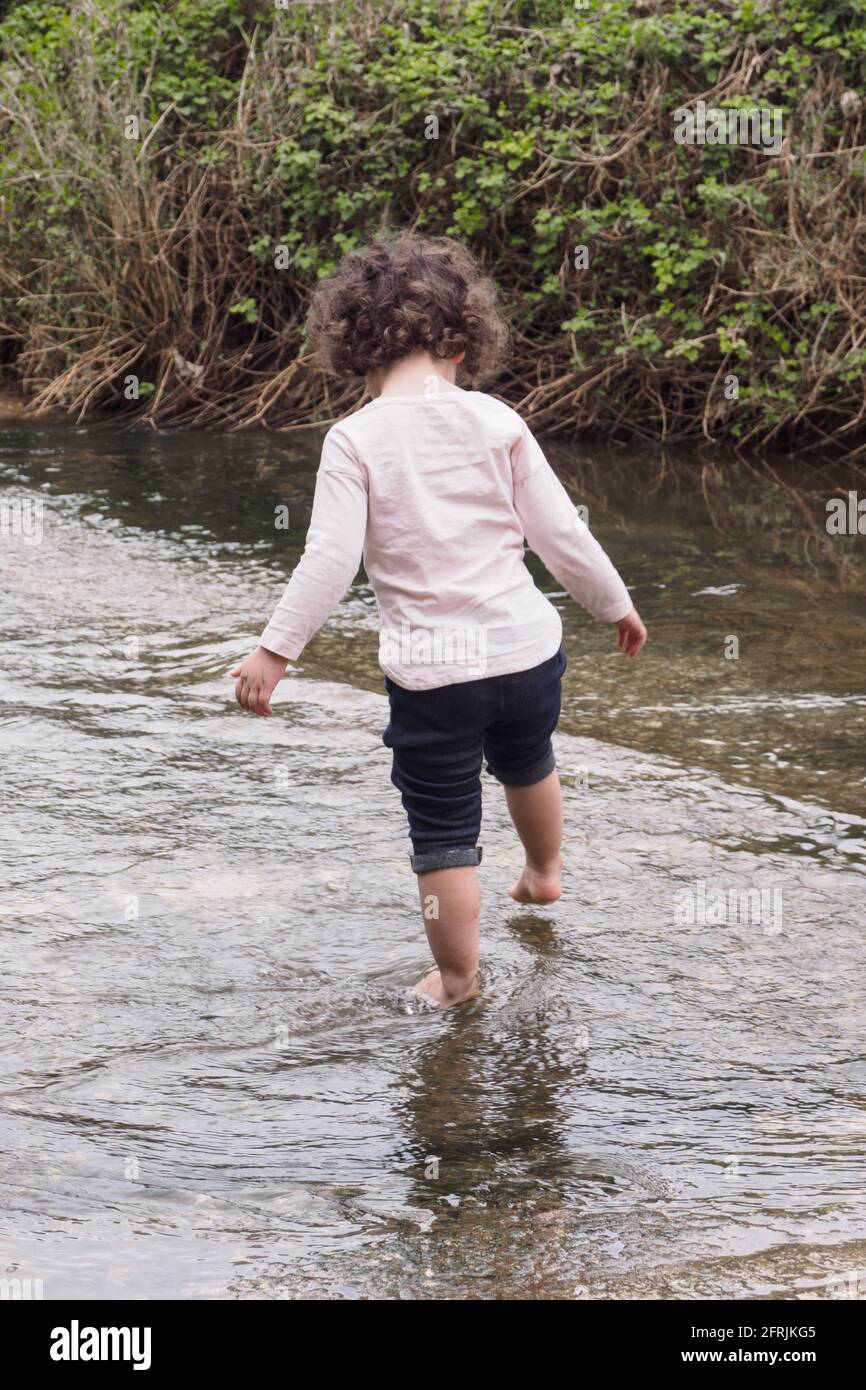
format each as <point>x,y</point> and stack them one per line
<point>401,294</point>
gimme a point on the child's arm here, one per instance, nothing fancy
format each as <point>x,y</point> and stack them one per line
<point>563,541</point>
<point>331,558</point>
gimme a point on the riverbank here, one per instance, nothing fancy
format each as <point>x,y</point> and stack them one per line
<point>184,176</point>
<point>12,407</point>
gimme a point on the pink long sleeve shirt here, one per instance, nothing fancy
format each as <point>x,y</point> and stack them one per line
<point>437,494</point>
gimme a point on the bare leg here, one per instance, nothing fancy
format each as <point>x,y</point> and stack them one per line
<point>537,815</point>
<point>451,905</point>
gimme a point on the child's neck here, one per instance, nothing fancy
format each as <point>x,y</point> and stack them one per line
<point>416,375</point>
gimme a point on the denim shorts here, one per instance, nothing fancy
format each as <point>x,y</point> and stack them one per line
<point>439,739</point>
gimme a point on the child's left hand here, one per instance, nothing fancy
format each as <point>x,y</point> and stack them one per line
<point>258,677</point>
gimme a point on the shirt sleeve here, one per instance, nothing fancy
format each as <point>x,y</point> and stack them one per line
<point>332,555</point>
<point>559,536</point>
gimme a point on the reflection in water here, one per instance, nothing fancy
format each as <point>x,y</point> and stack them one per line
<point>210,1076</point>
<point>487,1129</point>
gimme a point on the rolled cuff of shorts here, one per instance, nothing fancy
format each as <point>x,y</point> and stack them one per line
<point>456,858</point>
<point>526,776</point>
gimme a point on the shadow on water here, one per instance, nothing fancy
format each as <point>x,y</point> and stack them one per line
<point>212,1082</point>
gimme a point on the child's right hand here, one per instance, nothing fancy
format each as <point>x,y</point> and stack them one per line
<point>631,633</point>
<point>258,677</point>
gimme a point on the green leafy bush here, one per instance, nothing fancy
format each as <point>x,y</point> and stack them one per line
<point>271,140</point>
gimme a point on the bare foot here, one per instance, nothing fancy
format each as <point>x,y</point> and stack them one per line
<point>538,886</point>
<point>432,990</point>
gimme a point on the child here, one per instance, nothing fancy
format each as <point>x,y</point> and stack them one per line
<point>436,487</point>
